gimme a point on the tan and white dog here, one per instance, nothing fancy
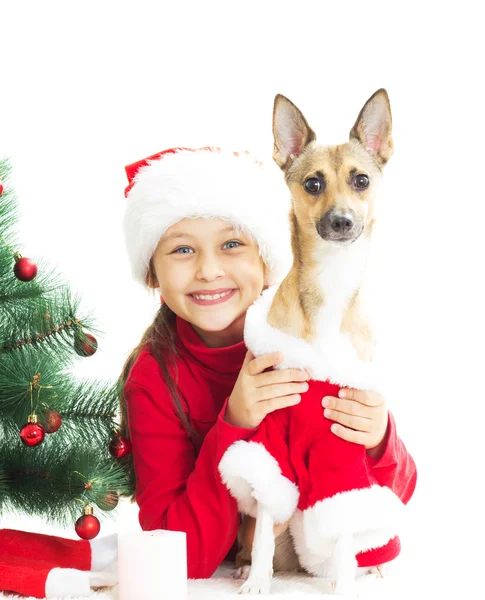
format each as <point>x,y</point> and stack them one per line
<point>317,319</point>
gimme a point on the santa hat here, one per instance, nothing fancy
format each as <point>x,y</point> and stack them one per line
<point>207,182</point>
<point>45,566</point>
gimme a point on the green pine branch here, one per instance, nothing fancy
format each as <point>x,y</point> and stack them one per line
<point>41,326</point>
<point>49,323</point>
<point>9,214</point>
<point>44,479</point>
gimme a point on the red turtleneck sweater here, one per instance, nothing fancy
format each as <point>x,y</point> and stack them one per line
<point>178,486</point>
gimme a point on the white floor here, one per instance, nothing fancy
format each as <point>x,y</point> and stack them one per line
<point>285,585</point>
<point>442,559</point>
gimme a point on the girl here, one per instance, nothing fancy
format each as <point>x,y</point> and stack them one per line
<point>209,229</point>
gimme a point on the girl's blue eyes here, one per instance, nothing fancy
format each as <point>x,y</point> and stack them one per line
<point>182,249</point>
<point>236,244</point>
<point>187,249</point>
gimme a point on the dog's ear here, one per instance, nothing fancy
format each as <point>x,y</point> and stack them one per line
<point>290,130</point>
<point>373,128</point>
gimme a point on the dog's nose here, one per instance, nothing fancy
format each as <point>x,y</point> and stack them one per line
<point>341,223</point>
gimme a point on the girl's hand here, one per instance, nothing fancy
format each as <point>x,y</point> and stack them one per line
<point>258,393</point>
<point>360,417</point>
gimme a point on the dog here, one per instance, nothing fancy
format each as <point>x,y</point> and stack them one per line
<point>317,317</point>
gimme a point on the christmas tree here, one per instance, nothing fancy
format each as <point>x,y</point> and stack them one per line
<point>61,453</point>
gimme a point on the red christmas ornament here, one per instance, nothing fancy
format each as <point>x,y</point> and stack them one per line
<point>109,501</point>
<point>119,447</point>
<point>85,344</point>
<point>32,434</point>
<point>51,421</point>
<point>88,526</point>
<point>25,269</point>
<point>1,187</point>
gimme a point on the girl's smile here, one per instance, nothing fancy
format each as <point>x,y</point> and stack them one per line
<point>211,297</point>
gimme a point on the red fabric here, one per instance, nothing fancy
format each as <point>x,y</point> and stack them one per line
<point>27,558</point>
<point>178,486</point>
<point>323,465</point>
<point>25,577</point>
<point>395,468</point>
<point>57,551</point>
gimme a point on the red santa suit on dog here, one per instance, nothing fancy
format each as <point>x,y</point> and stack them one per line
<point>297,468</point>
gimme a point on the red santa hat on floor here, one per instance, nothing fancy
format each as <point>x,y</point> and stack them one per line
<point>207,182</point>
<point>46,566</point>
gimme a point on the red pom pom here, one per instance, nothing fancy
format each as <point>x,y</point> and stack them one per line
<point>51,421</point>
<point>119,447</point>
<point>25,269</point>
<point>87,527</point>
<point>86,344</point>
<point>32,434</point>
<point>108,502</point>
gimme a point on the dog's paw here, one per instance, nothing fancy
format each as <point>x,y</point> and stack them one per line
<point>342,587</point>
<point>242,572</point>
<point>381,571</point>
<point>256,585</point>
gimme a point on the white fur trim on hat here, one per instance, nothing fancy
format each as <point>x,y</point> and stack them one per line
<point>104,551</point>
<point>209,183</point>
<point>62,582</point>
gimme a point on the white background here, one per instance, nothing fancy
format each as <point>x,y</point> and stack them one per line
<point>88,87</point>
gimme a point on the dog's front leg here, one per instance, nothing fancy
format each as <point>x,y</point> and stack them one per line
<point>346,565</point>
<point>259,580</point>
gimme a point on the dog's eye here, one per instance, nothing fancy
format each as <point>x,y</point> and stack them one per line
<point>313,185</point>
<point>361,182</point>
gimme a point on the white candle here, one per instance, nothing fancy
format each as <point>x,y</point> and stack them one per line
<point>152,565</point>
